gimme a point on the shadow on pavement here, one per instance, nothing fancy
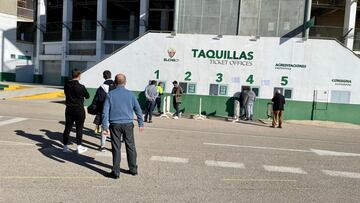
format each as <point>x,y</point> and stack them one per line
<point>256,123</point>
<point>51,148</point>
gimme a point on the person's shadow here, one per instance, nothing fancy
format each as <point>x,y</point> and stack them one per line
<point>51,148</point>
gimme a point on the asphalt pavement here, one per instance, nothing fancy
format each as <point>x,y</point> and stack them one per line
<point>179,161</point>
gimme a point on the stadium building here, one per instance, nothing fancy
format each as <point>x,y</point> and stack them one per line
<point>214,48</point>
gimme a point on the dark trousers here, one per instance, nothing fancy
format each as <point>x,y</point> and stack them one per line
<point>77,115</point>
<point>158,104</point>
<point>176,107</point>
<point>149,108</point>
<point>127,131</point>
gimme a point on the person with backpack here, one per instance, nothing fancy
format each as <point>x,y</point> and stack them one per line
<point>98,104</point>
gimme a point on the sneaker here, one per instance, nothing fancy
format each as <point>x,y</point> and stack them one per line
<point>112,175</point>
<point>175,117</point>
<point>102,149</point>
<point>81,149</point>
<point>66,149</point>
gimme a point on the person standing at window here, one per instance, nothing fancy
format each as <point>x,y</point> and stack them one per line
<point>278,109</point>
<point>177,93</point>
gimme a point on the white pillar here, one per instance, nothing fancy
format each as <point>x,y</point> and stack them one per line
<point>144,16</point>
<point>100,33</point>
<point>67,20</point>
<point>307,17</point>
<point>41,24</point>
<point>349,24</point>
<point>176,15</point>
<point>2,41</point>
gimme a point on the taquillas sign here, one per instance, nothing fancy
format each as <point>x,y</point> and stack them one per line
<point>225,57</point>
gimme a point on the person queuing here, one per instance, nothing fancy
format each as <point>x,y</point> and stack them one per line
<point>249,104</point>
<point>118,115</point>
<point>278,109</point>
<point>177,93</point>
<point>99,100</point>
<point>160,91</point>
<point>151,94</point>
<point>74,112</point>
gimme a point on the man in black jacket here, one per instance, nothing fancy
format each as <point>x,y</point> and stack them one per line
<point>99,101</point>
<point>75,94</point>
<point>278,109</point>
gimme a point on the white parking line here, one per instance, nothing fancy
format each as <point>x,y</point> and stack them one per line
<point>3,142</point>
<point>341,174</point>
<point>169,159</point>
<point>109,154</point>
<point>11,121</point>
<point>257,147</point>
<point>284,169</point>
<point>224,164</point>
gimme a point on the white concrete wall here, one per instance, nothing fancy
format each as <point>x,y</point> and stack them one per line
<point>9,46</point>
<point>324,60</point>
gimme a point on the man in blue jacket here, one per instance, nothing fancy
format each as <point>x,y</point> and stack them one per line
<point>118,116</point>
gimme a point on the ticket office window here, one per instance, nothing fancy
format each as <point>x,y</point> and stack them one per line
<point>287,92</point>
<point>255,89</point>
<point>218,90</point>
<point>188,88</point>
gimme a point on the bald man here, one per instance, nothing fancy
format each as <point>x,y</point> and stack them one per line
<point>118,116</point>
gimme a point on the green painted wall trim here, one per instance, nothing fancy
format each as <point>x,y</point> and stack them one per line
<point>64,79</point>
<point>8,77</point>
<point>294,110</point>
<point>38,79</point>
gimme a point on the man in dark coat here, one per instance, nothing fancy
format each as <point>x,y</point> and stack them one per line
<point>278,109</point>
<point>75,94</point>
<point>99,101</point>
<point>177,93</point>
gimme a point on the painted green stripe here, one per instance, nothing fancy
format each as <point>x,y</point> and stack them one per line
<point>294,110</point>
<point>38,79</point>
<point>9,77</point>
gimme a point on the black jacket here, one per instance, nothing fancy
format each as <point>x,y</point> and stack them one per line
<point>278,102</point>
<point>100,95</point>
<point>75,94</point>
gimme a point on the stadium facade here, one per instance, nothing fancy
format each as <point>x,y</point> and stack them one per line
<point>307,49</point>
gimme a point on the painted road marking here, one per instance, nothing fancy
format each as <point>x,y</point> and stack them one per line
<point>109,154</point>
<point>11,121</point>
<point>49,177</point>
<point>316,151</point>
<point>224,164</point>
<point>343,174</point>
<point>257,147</point>
<point>332,153</point>
<point>169,159</point>
<point>258,180</point>
<point>284,169</point>
<point>3,142</point>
